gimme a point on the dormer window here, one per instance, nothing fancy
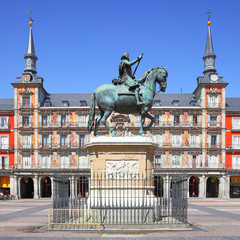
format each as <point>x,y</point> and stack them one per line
<point>175,102</point>
<point>47,104</point>
<point>157,102</point>
<point>83,103</point>
<point>65,103</point>
<point>193,103</point>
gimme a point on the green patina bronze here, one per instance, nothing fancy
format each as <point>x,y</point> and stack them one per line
<point>127,95</point>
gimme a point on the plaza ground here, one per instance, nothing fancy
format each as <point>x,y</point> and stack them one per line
<point>209,218</point>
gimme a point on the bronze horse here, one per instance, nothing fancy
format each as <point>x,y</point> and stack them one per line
<point>119,99</point>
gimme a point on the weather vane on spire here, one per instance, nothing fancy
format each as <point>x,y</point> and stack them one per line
<point>31,13</point>
<point>209,16</point>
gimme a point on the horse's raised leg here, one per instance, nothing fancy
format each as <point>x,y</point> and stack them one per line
<point>97,123</point>
<point>151,123</point>
<point>104,121</point>
<point>141,125</point>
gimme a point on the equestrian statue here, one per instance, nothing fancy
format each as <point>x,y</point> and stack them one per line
<point>128,95</point>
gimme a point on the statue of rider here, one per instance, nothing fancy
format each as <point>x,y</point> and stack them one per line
<point>125,74</point>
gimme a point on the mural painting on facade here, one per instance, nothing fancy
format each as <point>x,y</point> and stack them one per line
<point>185,159</point>
<point>33,96</point>
<point>73,119</point>
<point>73,139</point>
<point>206,160</point>
<point>185,118</point>
<point>167,138</point>
<point>166,159</point>
<point>166,118</point>
<point>33,161</point>
<point>73,160</point>
<point>54,139</point>
<point>55,162</point>
<point>20,89</point>
<point>54,118</point>
<point>185,138</point>
<point>19,159</point>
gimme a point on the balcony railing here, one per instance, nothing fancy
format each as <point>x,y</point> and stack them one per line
<point>4,127</point>
<point>235,127</point>
<point>63,124</point>
<point>27,106</point>
<point>217,145</point>
<point>25,124</point>
<point>214,124</point>
<point>177,124</point>
<point>6,146</point>
<point>213,105</point>
<point>233,146</point>
<point>26,146</point>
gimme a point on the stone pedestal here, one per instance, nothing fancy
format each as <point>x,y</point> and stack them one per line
<point>121,155</point>
<point>121,171</point>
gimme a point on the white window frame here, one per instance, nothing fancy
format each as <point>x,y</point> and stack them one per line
<point>26,162</point>
<point>4,145</point>
<point>64,161</point>
<point>5,125</point>
<point>236,141</point>
<point>46,161</point>
<point>6,164</point>
<point>236,161</point>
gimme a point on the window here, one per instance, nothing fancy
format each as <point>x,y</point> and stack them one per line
<point>157,102</point>
<point>45,140</point>
<point>4,162</point>
<point>176,161</point>
<point>44,121</point>
<point>175,103</point>
<point>4,122</point>
<point>81,140</point>
<point>193,103</point>
<point>83,103</point>
<point>213,121</point>
<point>194,158</point>
<point>213,162</point>
<point>236,123</point>
<point>4,142</point>
<point>47,104</point>
<point>64,162</point>
<point>26,141</point>
<point>46,162</point>
<point>26,162</point>
<point>63,120</point>
<point>213,101</point>
<point>213,141</point>
<point>65,103</point>
<point>176,140</point>
<point>236,162</point>
<point>195,141</point>
<point>176,120</point>
<point>195,121</point>
<point>158,160</point>
<point>156,119</point>
<point>26,101</point>
<point>63,140</point>
<point>236,141</point>
<point>25,121</point>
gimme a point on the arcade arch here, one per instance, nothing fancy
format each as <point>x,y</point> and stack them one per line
<point>46,187</point>
<point>193,186</point>
<point>212,186</point>
<point>26,187</point>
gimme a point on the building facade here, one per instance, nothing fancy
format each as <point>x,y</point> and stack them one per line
<point>198,134</point>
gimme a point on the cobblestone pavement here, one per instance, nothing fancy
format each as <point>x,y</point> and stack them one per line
<point>216,219</point>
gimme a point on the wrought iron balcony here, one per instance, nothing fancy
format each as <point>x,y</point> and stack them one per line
<point>233,147</point>
<point>213,105</point>
<point>235,127</point>
<point>25,124</point>
<point>5,127</point>
<point>62,124</point>
<point>214,124</point>
<point>6,146</point>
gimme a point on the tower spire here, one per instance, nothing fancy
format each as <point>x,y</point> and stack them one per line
<point>209,56</point>
<point>30,57</point>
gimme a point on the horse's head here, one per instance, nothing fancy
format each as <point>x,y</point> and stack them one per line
<point>161,78</point>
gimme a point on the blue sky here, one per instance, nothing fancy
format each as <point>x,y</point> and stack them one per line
<point>79,43</point>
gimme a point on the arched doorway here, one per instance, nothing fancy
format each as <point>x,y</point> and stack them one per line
<point>158,186</point>
<point>212,186</point>
<point>193,186</point>
<point>26,187</point>
<point>46,189</point>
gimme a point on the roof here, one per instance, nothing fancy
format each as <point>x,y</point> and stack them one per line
<point>74,99</point>
<point>6,104</point>
<point>233,104</point>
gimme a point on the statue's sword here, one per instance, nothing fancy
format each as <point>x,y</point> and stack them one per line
<point>137,66</point>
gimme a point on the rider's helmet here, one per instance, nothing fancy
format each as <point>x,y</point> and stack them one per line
<point>125,56</point>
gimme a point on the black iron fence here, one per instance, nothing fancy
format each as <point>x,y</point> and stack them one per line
<point>121,199</point>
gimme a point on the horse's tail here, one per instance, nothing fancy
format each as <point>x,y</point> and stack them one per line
<point>91,113</point>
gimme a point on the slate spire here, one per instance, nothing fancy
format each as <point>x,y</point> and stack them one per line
<point>209,56</point>
<point>30,57</point>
